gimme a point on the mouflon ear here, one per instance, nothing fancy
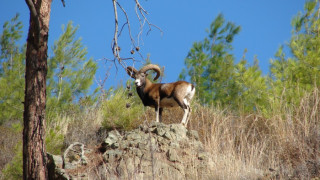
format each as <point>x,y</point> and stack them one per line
<point>131,71</point>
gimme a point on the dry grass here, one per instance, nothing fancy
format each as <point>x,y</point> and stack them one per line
<point>286,145</point>
<point>249,146</point>
<point>8,142</point>
<point>80,127</point>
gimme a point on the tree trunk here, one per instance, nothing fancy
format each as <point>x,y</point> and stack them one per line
<point>34,151</point>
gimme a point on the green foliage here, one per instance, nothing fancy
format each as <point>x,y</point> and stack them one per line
<point>210,65</point>
<point>294,76</point>
<point>252,87</point>
<point>219,81</point>
<point>117,115</point>
<point>70,74</point>
<point>54,141</point>
<point>12,69</point>
<point>9,37</point>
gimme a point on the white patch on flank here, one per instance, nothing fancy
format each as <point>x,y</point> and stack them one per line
<point>190,92</point>
<point>164,87</point>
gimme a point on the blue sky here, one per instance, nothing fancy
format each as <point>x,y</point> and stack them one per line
<point>265,26</point>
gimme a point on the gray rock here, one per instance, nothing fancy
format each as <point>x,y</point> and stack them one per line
<point>203,155</point>
<point>169,135</point>
<point>56,160</point>
<point>192,134</point>
<point>54,167</point>
<point>112,155</point>
<point>174,145</point>
<point>151,151</point>
<point>112,139</point>
<point>160,131</point>
<point>172,155</point>
<point>179,130</point>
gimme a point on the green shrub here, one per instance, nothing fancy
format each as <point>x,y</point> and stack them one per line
<point>54,141</point>
<point>117,114</point>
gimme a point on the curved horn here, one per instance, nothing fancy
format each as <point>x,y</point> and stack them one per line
<point>154,67</point>
<point>131,71</point>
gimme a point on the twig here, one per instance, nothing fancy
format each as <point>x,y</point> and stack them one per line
<point>143,13</point>
<point>140,12</point>
<point>115,47</point>
<point>101,83</point>
<point>63,3</point>
<point>126,15</point>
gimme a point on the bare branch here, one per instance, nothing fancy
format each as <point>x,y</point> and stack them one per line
<point>101,84</point>
<point>122,29</point>
<point>63,3</point>
<point>115,47</point>
<point>141,23</point>
<point>141,15</point>
<point>140,7</point>
<point>129,29</point>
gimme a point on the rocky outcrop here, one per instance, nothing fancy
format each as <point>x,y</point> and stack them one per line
<point>155,151</point>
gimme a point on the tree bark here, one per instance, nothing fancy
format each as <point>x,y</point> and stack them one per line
<point>34,151</point>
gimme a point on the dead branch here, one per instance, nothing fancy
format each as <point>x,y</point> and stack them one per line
<point>63,3</point>
<point>101,83</point>
<point>115,47</point>
<point>128,23</point>
<point>141,15</point>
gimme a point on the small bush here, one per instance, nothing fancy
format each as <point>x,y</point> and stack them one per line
<point>54,141</point>
<point>122,112</point>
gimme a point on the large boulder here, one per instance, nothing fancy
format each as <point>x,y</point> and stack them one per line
<point>153,151</point>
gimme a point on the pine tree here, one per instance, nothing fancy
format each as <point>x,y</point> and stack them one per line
<point>292,77</point>
<point>219,80</point>
<point>70,73</point>
<point>210,65</point>
<point>252,87</point>
<point>12,70</point>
